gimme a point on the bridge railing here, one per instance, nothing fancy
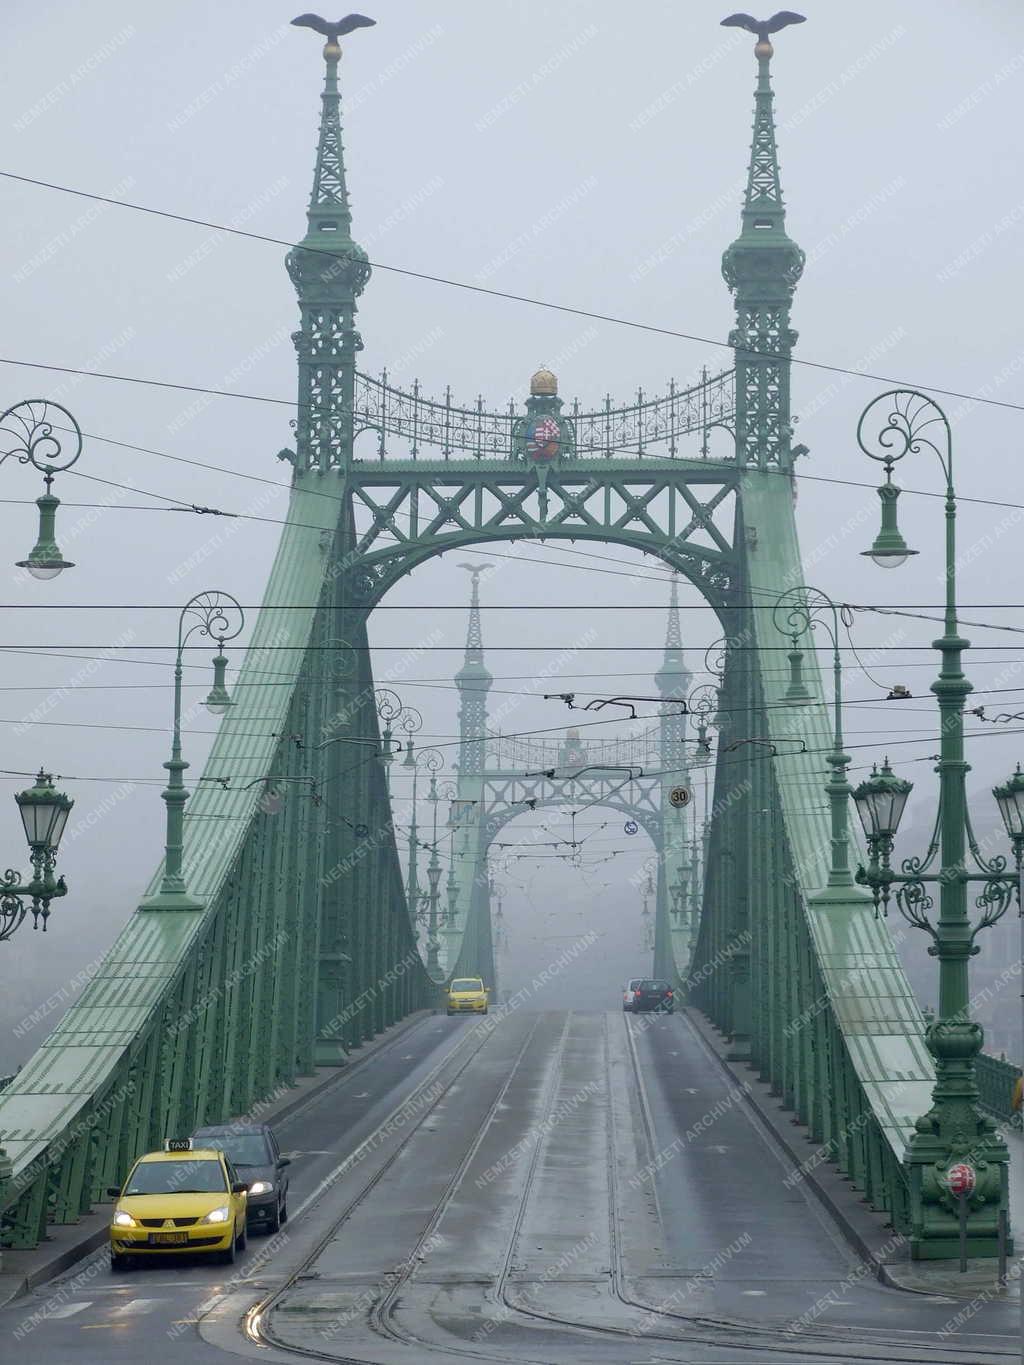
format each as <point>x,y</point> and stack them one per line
<point>195,1016</point>
<point>512,754</point>
<point>650,427</point>
<point>997,1079</point>
<point>811,978</point>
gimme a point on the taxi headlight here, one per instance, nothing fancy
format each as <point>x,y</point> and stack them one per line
<point>220,1215</point>
<point>261,1187</point>
<point>123,1219</point>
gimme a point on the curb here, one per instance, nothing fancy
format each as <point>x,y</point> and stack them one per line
<point>90,1239</point>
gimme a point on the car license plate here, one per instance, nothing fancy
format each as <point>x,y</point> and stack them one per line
<point>170,1239</point>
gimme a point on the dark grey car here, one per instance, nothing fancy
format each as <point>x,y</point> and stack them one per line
<point>253,1150</point>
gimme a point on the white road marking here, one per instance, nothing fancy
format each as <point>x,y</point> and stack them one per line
<point>754,1293</point>
<point>364,1096</point>
<point>134,1306</point>
<point>68,1310</point>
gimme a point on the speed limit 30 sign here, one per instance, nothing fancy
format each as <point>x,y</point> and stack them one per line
<point>680,796</point>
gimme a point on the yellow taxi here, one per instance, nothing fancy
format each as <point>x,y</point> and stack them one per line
<point>467,995</point>
<point>181,1200</point>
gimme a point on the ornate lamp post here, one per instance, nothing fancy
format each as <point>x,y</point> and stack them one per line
<point>953,1130</point>
<point>433,879</point>
<point>44,813</point>
<point>26,433</point>
<point>431,760</point>
<point>389,708</point>
<point>797,613</point>
<point>219,616</point>
<point>703,702</point>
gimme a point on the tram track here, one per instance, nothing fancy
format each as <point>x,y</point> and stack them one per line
<point>780,1337</point>
<point>382,1315</point>
<point>257,1323</point>
<point>754,1340</point>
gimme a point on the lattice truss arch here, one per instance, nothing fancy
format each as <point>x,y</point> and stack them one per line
<point>682,512</point>
<point>506,795</point>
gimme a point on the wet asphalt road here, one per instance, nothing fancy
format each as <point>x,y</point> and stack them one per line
<point>578,1187</point>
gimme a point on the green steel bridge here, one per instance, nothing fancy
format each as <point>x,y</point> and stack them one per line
<point>297,941</point>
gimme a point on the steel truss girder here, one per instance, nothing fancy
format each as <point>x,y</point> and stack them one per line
<point>505,795</point>
<point>407,512</point>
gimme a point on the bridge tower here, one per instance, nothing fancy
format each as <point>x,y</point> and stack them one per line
<point>469,932</point>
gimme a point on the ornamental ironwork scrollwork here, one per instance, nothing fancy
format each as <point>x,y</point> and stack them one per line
<point>12,908</point>
<point>479,433</point>
<point>903,428</point>
<point>27,435</point>
<point>214,614</point>
<point>914,902</point>
<point>993,901</point>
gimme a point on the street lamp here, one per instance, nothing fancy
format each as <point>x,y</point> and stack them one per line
<point>433,877</point>
<point>953,1129</point>
<point>219,616</point>
<point>26,433</point>
<point>389,708</point>
<point>799,612</point>
<point>1010,800</point>
<point>431,760</point>
<point>702,703</point>
<point>44,813</point>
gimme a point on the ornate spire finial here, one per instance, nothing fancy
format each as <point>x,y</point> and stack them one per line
<point>764,28</point>
<point>330,218</point>
<point>473,681</point>
<point>674,634</point>
<point>474,632</point>
<point>762,268</point>
<point>329,271</point>
<point>332,32</point>
<point>673,678</point>
<point>763,207</point>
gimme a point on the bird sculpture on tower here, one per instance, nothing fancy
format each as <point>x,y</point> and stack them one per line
<point>763,28</point>
<point>332,32</point>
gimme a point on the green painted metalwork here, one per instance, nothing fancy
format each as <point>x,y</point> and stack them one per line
<point>802,978</point>
<point>951,1129</point>
<point>306,944</point>
<point>647,428</point>
<point>29,434</point>
<point>997,1079</point>
<point>303,947</point>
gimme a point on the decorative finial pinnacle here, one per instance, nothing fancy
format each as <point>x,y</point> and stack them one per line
<point>333,31</point>
<point>763,28</point>
<point>476,570</point>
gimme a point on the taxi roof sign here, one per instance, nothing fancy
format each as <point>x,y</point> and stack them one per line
<point>177,1144</point>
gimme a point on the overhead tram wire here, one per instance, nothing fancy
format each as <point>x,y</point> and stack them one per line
<point>657,570</point>
<point>885,609</point>
<point>321,493</point>
<point>42,649</point>
<point>277,678</point>
<point>727,760</point>
<point>467,287</point>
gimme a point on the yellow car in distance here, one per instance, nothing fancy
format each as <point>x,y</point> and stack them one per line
<point>180,1200</point>
<point>467,995</point>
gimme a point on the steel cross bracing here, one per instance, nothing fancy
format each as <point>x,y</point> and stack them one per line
<point>304,944</point>
<point>405,513</point>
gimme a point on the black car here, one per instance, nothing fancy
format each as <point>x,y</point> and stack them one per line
<point>253,1151</point>
<point>653,995</point>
